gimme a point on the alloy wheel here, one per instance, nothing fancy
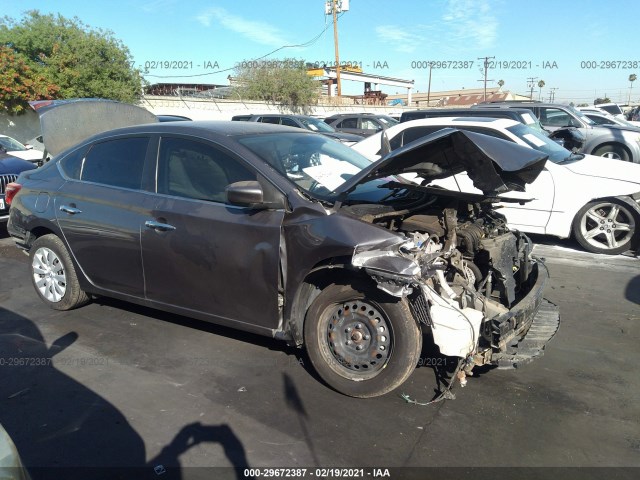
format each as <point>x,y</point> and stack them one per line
<point>607,225</point>
<point>49,275</point>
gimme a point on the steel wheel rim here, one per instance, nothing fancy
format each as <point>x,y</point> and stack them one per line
<point>49,275</point>
<point>358,339</point>
<point>607,226</point>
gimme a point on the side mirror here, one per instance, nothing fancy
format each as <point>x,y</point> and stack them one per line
<point>245,194</point>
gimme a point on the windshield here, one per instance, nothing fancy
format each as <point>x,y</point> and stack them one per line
<point>11,145</point>
<point>316,164</point>
<point>316,125</point>
<point>581,115</point>
<point>540,142</point>
<point>388,121</point>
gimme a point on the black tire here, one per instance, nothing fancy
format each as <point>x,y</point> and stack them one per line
<point>382,328</point>
<point>616,152</point>
<point>53,275</point>
<point>605,226</point>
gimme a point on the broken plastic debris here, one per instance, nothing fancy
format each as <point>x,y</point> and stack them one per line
<point>242,389</point>
<point>462,377</point>
<point>159,469</point>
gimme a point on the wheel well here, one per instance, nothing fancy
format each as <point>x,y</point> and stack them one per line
<point>324,274</point>
<point>614,144</point>
<point>36,233</point>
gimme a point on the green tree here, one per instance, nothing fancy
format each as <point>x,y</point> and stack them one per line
<point>20,83</point>
<point>82,61</point>
<point>283,82</point>
<point>601,100</point>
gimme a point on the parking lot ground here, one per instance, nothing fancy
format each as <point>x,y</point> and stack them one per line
<point>116,385</point>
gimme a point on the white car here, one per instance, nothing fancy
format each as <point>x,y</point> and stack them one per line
<point>595,199</point>
<point>606,119</point>
<point>17,149</point>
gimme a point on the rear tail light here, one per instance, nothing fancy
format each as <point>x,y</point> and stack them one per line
<point>10,191</point>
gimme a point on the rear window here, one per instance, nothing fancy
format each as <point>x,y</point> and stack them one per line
<point>612,109</point>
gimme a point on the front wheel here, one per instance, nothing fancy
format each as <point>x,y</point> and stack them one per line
<point>605,226</point>
<point>362,342</point>
<point>53,275</point>
<point>615,152</point>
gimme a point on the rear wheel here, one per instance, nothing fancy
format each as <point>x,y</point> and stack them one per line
<point>605,226</point>
<point>53,274</point>
<point>362,342</point>
<point>615,152</point>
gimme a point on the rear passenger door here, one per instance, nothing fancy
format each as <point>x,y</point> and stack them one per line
<point>102,208</point>
<point>201,254</point>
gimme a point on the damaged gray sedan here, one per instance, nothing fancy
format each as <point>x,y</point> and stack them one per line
<point>288,234</point>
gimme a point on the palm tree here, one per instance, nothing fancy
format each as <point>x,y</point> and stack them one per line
<point>632,78</point>
<point>500,83</point>
<point>540,85</point>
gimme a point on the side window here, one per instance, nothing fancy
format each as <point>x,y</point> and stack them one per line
<point>554,117</point>
<point>411,134</point>
<point>288,122</point>
<point>274,120</point>
<point>348,123</point>
<point>118,163</point>
<point>72,163</point>
<point>191,169</point>
<point>368,124</point>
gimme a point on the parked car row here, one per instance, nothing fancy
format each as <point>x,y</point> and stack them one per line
<point>302,121</point>
<point>594,199</point>
<point>611,141</point>
<point>14,148</point>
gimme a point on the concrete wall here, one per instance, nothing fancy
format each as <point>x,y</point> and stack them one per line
<point>220,109</point>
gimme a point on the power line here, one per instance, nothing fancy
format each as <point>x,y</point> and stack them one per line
<point>306,44</point>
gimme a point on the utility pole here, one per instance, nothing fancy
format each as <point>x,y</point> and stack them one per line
<point>486,67</point>
<point>531,83</point>
<point>429,89</point>
<point>333,7</point>
<point>552,94</point>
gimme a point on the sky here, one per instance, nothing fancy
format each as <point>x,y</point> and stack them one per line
<point>582,49</point>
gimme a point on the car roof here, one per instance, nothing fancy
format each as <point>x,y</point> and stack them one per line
<point>293,115</point>
<point>362,114</point>
<point>465,121</point>
<point>205,128</point>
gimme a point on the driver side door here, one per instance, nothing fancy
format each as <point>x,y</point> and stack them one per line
<point>201,254</point>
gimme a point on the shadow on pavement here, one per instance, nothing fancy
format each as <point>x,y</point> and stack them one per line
<point>62,429</point>
<point>632,291</point>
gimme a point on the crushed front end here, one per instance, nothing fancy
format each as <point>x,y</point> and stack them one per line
<point>468,278</point>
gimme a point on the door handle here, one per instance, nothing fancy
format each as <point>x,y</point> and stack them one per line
<point>159,227</point>
<point>69,210</point>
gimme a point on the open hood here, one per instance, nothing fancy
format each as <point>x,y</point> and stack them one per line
<point>494,165</point>
<point>65,123</point>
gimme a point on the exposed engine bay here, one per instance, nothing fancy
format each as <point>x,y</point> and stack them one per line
<point>459,265</point>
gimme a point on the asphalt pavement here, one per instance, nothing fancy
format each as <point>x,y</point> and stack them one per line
<point>116,385</point>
